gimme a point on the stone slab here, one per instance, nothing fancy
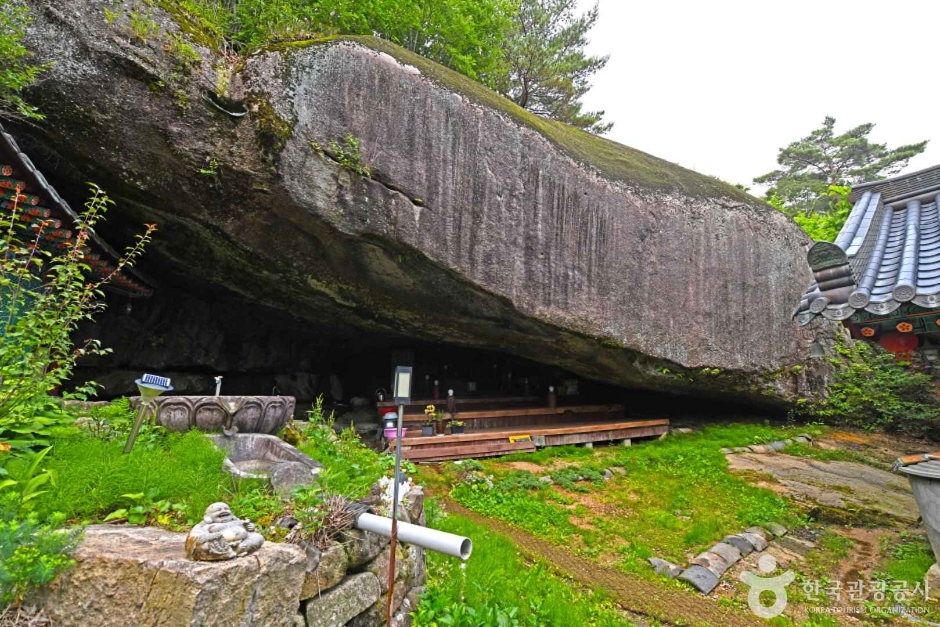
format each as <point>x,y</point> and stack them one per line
<point>700,577</point>
<point>340,605</point>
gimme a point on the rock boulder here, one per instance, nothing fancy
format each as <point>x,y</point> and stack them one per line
<point>480,225</point>
<point>141,576</point>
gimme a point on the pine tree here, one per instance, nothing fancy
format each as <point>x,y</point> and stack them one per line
<point>547,70</point>
<point>812,165</point>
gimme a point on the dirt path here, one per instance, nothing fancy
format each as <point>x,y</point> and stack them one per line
<point>641,596</point>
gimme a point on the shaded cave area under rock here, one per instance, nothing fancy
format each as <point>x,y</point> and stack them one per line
<point>193,334</point>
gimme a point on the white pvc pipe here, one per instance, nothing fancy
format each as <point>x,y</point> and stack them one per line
<point>440,541</point>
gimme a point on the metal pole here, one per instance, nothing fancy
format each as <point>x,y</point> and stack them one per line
<point>144,406</point>
<point>394,541</point>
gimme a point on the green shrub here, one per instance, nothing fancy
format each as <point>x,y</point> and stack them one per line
<point>872,390</point>
<point>31,554</point>
<point>350,467</point>
<point>44,295</point>
<point>519,480</point>
<point>570,477</point>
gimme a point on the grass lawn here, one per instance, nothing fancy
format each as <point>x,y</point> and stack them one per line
<point>674,498</point>
<point>497,586</point>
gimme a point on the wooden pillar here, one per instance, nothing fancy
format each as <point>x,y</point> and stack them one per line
<point>552,397</point>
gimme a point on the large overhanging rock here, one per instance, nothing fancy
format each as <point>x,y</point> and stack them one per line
<point>481,225</point>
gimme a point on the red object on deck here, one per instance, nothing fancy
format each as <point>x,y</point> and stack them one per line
<point>898,342</point>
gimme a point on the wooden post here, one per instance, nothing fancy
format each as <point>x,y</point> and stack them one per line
<point>552,397</point>
<point>437,390</point>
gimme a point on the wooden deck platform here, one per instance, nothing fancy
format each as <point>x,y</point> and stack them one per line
<point>526,436</point>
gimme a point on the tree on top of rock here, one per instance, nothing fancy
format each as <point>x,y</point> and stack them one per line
<point>811,166</point>
<point>547,70</point>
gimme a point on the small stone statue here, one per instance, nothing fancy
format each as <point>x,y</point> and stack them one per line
<point>221,536</point>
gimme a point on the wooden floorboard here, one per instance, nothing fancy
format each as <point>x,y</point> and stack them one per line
<point>533,430</point>
<point>472,450</point>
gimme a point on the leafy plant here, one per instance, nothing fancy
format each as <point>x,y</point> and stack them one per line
<point>211,168</point>
<point>16,71</point>
<point>822,226</point>
<point>499,587</point>
<point>572,476</point>
<point>143,509</point>
<point>348,156</point>
<point>351,467</point>
<point>872,390</point>
<point>519,480</point>
<point>46,293</point>
<point>23,475</point>
<point>31,554</point>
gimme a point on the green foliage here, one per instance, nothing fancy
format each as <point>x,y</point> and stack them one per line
<point>22,476</point>
<point>547,70</point>
<point>143,26</point>
<point>45,295</point>
<point>349,156</point>
<point>821,226</point>
<point>465,35</point>
<point>351,468</point>
<point>31,553</point>
<point>676,497</point>
<point>872,390</point>
<point>908,559</point>
<point>571,477</point>
<point>180,468</point>
<point>811,165</point>
<point>496,587</point>
<point>144,508</point>
<point>521,508</point>
<point>16,71</point>
<point>519,480</point>
<point>185,56</point>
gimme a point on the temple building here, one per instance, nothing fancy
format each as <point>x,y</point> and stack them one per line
<point>881,276</point>
<point>24,189</point>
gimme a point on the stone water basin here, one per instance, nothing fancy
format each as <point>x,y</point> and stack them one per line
<point>260,456</point>
<point>256,414</point>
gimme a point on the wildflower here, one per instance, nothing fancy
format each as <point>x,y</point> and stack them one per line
<point>5,447</point>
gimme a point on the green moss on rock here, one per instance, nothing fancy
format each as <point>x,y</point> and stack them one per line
<point>274,130</point>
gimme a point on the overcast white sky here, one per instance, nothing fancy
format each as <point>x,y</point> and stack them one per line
<point>719,86</point>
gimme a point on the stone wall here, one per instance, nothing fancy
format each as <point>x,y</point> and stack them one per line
<point>141,576</point>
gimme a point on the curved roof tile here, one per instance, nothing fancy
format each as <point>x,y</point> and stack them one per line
<point>887,254</point>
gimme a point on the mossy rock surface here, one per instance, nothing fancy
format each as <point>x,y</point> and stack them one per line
<point>480,224</point>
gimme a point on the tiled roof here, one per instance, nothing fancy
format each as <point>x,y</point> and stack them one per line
<point>923,465</point>
<point>902,186</point>
<point>23,185</point>
<point>887,253</point>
